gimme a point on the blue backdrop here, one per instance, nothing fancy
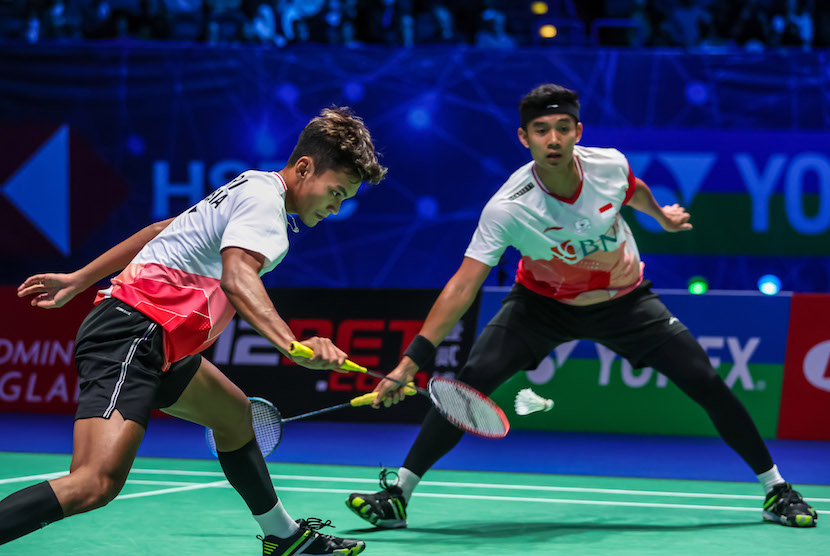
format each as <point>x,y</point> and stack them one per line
<point>99,140</point>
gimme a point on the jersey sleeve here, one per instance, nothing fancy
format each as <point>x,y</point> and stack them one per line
<point>492,236</point>
<point>257,221</point>
<point>632,181</point>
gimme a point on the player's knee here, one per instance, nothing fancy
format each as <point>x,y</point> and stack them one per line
<point>235,423</point>
<point>99,490</point>
<point>708,391</point>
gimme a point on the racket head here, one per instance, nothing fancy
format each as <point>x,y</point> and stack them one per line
<point>467,408</point>
<point>267,423</point>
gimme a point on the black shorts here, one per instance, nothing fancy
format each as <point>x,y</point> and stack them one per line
<point>119,354</point>
<point>632,325</point>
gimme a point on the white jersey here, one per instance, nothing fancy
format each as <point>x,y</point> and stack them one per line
<point>579,250</point>
<point>175,278</point>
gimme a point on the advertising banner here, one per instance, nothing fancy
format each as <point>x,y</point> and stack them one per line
<point>37,371</point>
<point>373,326</point>
<point>595,390</point>
<point>805,398</point>
<point>148,130</point>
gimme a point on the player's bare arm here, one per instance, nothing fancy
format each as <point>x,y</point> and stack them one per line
<point>246,292</point>
<point>673,218</point>
<point>52,290</point>
<point>454,301</point>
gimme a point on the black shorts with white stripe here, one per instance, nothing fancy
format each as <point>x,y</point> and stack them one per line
<point>119,354</point>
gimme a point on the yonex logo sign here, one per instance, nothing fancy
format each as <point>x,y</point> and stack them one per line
<point>789,174</point>
<point>39,189</point>
<point>817,366</point>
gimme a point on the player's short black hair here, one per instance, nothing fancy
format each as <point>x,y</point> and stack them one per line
<point>545,95</point>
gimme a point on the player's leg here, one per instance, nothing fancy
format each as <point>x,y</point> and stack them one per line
<point>212,400</point>
<point>496,355</point>
<point>102,454</point>
<point>118,359</point>
<point>684,362</point>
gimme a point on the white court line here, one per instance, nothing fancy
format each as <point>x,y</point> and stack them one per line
<point>184,487</point>
<point>42,476</point>
<point>224,484</point>
<point>192,486</point>
<point>492,486</point>
<point>544,500</point>
<point>160,483</point>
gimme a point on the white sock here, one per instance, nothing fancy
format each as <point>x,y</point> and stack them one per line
<point>277,522</point>
<point>407,480</point>
<point>770,478</point>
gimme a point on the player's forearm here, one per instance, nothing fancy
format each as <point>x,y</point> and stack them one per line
<point>119,256</point>
<point>454,301</point>
<point>247,294</point>
<point>644,201</point>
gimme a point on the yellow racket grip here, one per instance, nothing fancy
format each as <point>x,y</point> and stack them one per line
<point>368,398</point>
<point>300,350</point>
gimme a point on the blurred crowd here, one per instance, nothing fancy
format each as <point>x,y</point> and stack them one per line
<point>484,23</point>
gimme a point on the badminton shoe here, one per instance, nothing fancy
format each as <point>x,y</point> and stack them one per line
<point>785,505</point>
<point>307,541</point>
<point>386,509</point>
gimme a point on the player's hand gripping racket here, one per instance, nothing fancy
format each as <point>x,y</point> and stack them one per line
<point>268,422</point>
<point>461,404</point>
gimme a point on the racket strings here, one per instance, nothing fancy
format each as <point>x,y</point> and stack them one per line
<point>468,409</point>
<point>267,425</point>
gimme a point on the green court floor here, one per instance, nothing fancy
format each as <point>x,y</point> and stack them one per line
<point>180,507</point>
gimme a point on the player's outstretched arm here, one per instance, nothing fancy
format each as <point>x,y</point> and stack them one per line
<point>454,301</point>
<point>52,290</point>
<point>673,218</point>
<point>246,292</point>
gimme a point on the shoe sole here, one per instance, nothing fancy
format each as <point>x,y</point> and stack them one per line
<point>353,551</point>
<point>802,520</point>
<point>380,523</point>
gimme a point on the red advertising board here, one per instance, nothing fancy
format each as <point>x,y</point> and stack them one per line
<point>37,372</point>
<point>805,395</point>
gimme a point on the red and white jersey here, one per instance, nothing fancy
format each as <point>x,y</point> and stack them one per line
<point>580,250</point>
<point>175,278</point>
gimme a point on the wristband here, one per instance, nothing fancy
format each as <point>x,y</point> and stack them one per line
<point>421,351</point>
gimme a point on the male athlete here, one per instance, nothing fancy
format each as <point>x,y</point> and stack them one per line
<point>580,276</point>
<point>182,281</point>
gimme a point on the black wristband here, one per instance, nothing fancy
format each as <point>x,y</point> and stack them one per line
<point>421,351</point>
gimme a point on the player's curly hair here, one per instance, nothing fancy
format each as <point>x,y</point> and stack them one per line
<point>337,140</point>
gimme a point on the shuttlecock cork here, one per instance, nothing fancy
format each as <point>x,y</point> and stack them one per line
<point>528,401</point>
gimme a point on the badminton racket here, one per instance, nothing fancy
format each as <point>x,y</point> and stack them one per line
<point>459,403</point>
<point>268,422</point>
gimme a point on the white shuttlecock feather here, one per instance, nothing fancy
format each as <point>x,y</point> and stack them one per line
<point>528,401</point>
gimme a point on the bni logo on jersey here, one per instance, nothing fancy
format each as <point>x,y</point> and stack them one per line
<point>55,190</point>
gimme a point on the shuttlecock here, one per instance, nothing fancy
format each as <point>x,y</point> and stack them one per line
<point>528,401</point>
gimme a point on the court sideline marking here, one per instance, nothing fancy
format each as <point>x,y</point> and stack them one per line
<point>179,486</point>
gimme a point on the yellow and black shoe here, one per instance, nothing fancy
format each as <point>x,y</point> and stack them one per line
<point>385,509</point>
<point>785,505</point>
<point>308,542</point>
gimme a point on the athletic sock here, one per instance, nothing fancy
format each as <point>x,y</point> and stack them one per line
<point>769,479</point>
<point>246,472</point>
<point>28,510</point>
<point>407,480</point>
<point>277,522</point>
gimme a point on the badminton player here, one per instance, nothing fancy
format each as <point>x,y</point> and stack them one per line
<point>580,276</point>
<point>180,284</point>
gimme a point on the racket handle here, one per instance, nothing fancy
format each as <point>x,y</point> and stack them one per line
<point>301,350</point>
<point>367,399</point>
